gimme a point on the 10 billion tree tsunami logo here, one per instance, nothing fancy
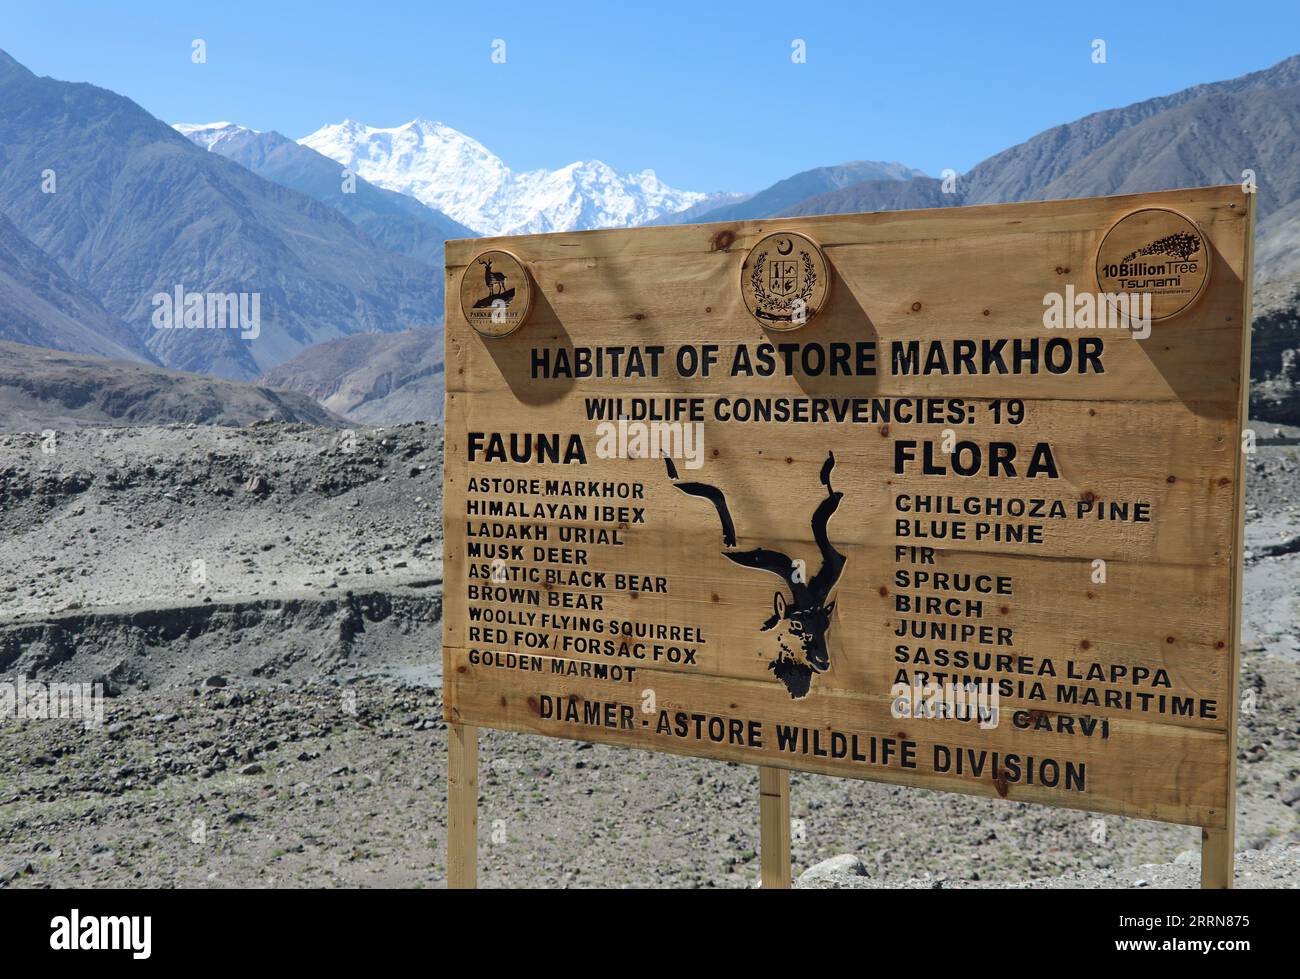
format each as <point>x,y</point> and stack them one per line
<point>799,625</point>
<point>1157,252</point>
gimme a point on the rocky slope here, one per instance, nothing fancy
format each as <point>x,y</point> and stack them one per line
<point>272,781</point>
<point>1205,135</point>
<point>1276,868</point>
<point>41,304</point>
<point>140,211</point>
<point>47,389</point>
<point>271,509</point>
<point>372,378</point>
<point>1061,156</point>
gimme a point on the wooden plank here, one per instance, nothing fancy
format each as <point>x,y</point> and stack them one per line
<point>1110,442</point>
<point>607,568</point>
<point>1120,633</point>
<point>774,826</point>
<point>1151,771</point>
<point>935,281</point>
<point>1218,846</point>
<point>462,806</point>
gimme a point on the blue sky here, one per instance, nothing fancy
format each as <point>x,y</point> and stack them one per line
<point>705,93</point>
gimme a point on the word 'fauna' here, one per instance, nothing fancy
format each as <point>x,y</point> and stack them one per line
<point>527,447</point>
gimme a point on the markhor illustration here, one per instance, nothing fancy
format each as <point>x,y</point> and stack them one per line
<point>805,619</point>
<point>496,287</point>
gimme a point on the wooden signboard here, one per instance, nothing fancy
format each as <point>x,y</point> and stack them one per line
<point>949,499</point>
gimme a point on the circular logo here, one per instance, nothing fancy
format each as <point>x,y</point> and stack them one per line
<point>785,280</point>
<point>496,293</point>
<point>1153,252</point>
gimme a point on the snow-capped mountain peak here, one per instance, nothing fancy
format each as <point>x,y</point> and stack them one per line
<point>209,134</point>
<point>459,176</point>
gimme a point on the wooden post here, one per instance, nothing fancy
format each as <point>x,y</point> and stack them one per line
<point>1217,856</point>
<point>462,806</point>
<point>774,826</point>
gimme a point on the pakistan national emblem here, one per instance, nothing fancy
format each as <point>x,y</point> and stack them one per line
<point>785,280</point>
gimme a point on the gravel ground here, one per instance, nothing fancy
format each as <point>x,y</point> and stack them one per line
<point>279,723</point>
<point>1277,867</point>
<point>146,516</point>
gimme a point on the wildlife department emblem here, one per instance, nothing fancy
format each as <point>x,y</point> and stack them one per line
<point>1156,251</point>
<point>785,280</point>
<point>496,293</point>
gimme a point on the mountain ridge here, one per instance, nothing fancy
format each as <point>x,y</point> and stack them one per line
<point>393,221</point>
<point>140,210</point>
<point>383,378</point>
<point>788,192</point>
<point>42,388</point>
<point>1044,157</point>
<point>456,174</point>
<point>41,304</point>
